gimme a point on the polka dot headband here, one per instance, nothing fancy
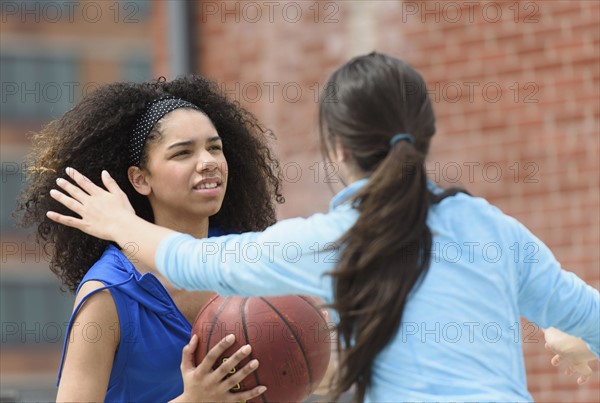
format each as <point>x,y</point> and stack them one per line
<point>148,119</point>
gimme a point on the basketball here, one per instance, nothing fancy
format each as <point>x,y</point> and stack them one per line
<point>288,335</point>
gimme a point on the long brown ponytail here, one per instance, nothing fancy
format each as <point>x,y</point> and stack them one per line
<point>387,250</point>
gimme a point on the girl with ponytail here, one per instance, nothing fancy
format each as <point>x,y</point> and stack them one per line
<point>415,323</point>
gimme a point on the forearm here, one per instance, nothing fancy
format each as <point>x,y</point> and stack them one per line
<point>553,297</point>
<point>567,345</point>
<point>219,264</point>
<point>582,317</point>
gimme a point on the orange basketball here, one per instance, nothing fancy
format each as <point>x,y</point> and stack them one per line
<point>288,335</point>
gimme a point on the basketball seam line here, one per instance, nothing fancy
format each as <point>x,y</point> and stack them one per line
<point>297,339</point>
<point>315,308</point>
<point>255,373</point>
<point>214,322</point>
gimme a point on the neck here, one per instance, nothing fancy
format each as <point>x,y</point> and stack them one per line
<point>353,176</point>
<point>196,227</point>
<point>349,173</point>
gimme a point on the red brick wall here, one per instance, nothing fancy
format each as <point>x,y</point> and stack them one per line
<point>515,87</point>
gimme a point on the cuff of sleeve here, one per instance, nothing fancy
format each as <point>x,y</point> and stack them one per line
<point>593,350</point>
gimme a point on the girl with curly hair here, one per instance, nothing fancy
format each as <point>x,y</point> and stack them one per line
<point>174,148</point>
<point>415,323</point>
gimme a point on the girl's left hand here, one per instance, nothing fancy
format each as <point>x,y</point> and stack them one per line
<point>569,350</point>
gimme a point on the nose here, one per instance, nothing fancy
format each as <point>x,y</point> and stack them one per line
<point>206,162</point>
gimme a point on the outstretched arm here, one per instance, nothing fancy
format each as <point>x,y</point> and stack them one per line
<point>291,256</point>
<point>553,297</point>
<point>107,215</point>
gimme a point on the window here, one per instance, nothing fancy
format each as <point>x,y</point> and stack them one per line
<point>138,9</point>
<point>38,86</point>
<point>12,181</point>
<point>137,69</point>
<point>34,311</point>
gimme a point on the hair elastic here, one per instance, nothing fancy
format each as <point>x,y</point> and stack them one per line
<point>401,137</point>
<point>155,110</point>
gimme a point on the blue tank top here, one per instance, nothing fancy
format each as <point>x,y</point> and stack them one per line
<point>153,332</point>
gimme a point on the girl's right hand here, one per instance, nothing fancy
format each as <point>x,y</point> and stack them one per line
<point>203,384</point>
<point>101,211</point>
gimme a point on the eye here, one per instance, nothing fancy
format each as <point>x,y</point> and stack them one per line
<point>215,147</point>
<point>180,153</point>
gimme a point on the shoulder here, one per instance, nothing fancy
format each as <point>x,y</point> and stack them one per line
<point>98,299</point>
<point>97,308</point>
<point>112,267</point>
<point>461,204</point>
<point>91,345</point>
<point>90,289</point>
<point>472,215</point>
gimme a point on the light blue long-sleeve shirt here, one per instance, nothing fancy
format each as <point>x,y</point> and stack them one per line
<point>460,337</point>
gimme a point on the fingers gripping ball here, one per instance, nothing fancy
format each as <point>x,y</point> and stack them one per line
<point>288,335</point>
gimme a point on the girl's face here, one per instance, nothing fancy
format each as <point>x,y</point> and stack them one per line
<point>186,174</point>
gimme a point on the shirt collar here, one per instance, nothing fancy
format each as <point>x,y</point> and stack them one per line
<point>353,188</point>
<point>347,193</point>
<point>434,188</point>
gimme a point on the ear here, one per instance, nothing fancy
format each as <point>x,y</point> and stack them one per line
<point>340,152</point>
<point>138,180</point>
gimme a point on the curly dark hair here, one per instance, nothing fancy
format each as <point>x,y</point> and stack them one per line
<point>94,135</point>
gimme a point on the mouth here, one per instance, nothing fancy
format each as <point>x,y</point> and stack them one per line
<point>208,184</point>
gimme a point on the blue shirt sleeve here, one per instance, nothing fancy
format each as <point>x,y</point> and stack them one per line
<point>290,257</point>
<point>551,296</point>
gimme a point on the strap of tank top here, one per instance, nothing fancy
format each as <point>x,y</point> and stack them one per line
<point>68,333</point>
